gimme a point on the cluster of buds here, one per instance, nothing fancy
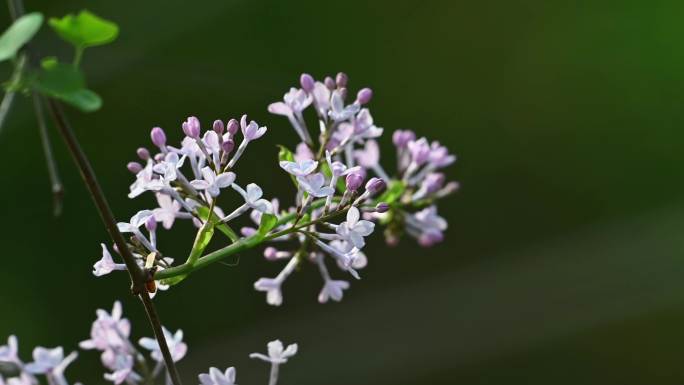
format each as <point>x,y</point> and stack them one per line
<point>110,334</point>
<point>339,175</point>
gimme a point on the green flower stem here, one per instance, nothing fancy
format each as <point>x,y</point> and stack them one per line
<point>55,182</point>
<point>245,243</point>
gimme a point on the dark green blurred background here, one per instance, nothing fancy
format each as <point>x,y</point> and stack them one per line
<point>564,258</point>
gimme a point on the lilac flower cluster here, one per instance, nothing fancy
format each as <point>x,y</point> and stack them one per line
<point>331,177</point>
<point>110,334</point>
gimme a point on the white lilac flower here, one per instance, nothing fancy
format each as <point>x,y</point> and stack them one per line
<point>295,101</point>
<point>23,379</point>
<point>108,331</point>
<point>276,353</point>
<point>250,132</point>
<point>271,286</point>
<point>133,226</point>
<point>213,183</point>
<point>359,260</point>
<point>50,362</point>
<point>175,342</point>
<point>216,377</point>
<point>338,111</point>
<point>122,368</point>
<point>169,209</point>
<point>9,353</point>
<point>145,180</point>
<point>303,152</point>
<point>252,199</point>
<point>332,289</point>
<point>106,264</point>
<point>354,229</point>
<point>345,259</point>
<point>321,99</point>
<point>315,185</point>
<point>168,168</point>
<point>300,168</point>
<point>364,127</point>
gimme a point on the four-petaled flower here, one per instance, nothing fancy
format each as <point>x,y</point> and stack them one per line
<point>300,168</point>
<point>276,353</point>
<point>106,264</point>
<point>167,211</point>
<point>252,130</point>
<point>314,184</point>
<point>271,286</point>
<point>175,342</point>
<point>253,198</point>
<point>216,377</point>
<point>49,361</point>
<point>213,183</point>
<point>332,289</point>
<point>353,230</point>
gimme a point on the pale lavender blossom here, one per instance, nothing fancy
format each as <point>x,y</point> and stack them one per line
<point>299,168</point>
<point>106,264</point>
<point>213,183</point>
<point>277,354</point>
<point>175,342</point>
<point>169,209</point>
<point>271,286</point>
<point>315,185</point>
<point>9,352</point>
<point>216,377</point>
<point>354,229</point>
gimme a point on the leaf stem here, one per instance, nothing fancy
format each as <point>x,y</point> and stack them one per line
<point>53,173</point>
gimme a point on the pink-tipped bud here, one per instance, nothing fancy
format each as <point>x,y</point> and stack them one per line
<point>430,237</point>
<point>307,82</point>
<point>158,137</point>
<point>134,167</point>
<point>218,127</point>
<point>159,157</point>
<point>382,207</point>
<point>375,185</point>
<point>364,96</point>
<point>271,253</point>
<point>227,146</point>
<point>191,127</point>
<point>143,153</point>
<point>341,79</point>
<point>401,138</point>
<point>232,127</point>
<point>353,181</point>
<point>248,231</point>
<point>329,83</point>
<point>151,223</point>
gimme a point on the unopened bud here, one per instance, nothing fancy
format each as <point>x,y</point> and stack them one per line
<point>364,96</point>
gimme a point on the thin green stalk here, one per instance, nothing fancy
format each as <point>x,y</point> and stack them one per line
<point>55,182</point>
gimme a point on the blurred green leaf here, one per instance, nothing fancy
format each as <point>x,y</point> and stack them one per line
<point>85,29</point>
<point>49,62</point>
<point>66,82</point>
<point>394,191</point>
<point>18,34</point>
<point>268,222</point>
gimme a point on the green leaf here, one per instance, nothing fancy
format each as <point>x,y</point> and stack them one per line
<point>66,82</point>
<point>18,34</point>
<point>393,193</point>
<point>49,62</point>
<point>203,212</point>
<point>85,29</point>
<point>268,222</point>
<point>204,235</point>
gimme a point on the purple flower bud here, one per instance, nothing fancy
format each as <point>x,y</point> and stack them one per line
<point>375,185</point>
<point>341,79</point>
<point>158,137</point>
<point>270,253</point>
<point>134,167</point>
<point>228,146</point>
<point>307,82</point>
<point>430,237</point>
<point>401,138</point>
<point>433,182</point>
<point>159,157</point>
<point>329,83</point>
<point>218,127</point>
<point>232,126</point>
<point>420,150</point>
<point>353,181</point>
<point>248,231</point>
<point>364,96</point>
<point>143,153</point>
<point>151,223</point>
<point>191,127</point>
<point>382,207</point>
